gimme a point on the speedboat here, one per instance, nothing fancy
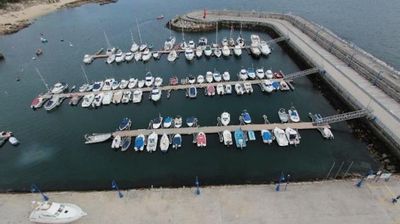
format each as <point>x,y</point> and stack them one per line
<point>123,84</point>
<point>240,41</point>
<point>146,55</point>
<point>125,124</point>
<point>87,59</point>
<point>169,43</point>
<point>283,116</point>
<point>84,87</point>
<point>88,100</point>
<point>251,135</point>
<point>117,97</point>
<point>246,117</point>
<point>292,136</point>
<point>217,52</point>
<point>152,140</point>
<point>276,85</point>
<point>134,47</point>
<point>200,79</point>
<point>243,75</point>
<point>132,83</point>
<point>284,86</point>
<point>239,89</point>
<point>240,139</point>
<point>110,59</point>
<point>119,56</point>
<point>260,73</point>
<point>191,79</point>
<point>141,83</point>
<point>224,42</point>
<point>173,81</point>
<point>225,118</point>
<point>280,137</point>
<point>172,56</point>
<point>139,143</point>
<point>226,51</point>
<point>255,39</point>
<point>269,74</point>
<point>192,92</point>
<point>155,94</point>
<point>326,133</point>
<point>201,139</point>
<point>265,49</point>
<point>97,138</point>
<point>167,122</point>
<point>210,90</point>
<point>220,89</point>
<point>164,143</point>
<point>142,47</point>
<point>52,212</point>
<point>266,136</point>
<point>226,76</point>
<point>293,114</point>
<point>251,73</point>
<point>116,143</point>
<point>137,96</point>
<point>199,51</point>
<point>237,50</point>
<point>107,85</point>
<point>114,85</point>
<point>158,81</point>
<point>107,98</point>
<point>255,50</point>
<point>59,87</point>
<point>209,77</point>
<point>74,100</point>
<point>177,141</point>
<point>178,121</point>
<point>207,51</point>
<point>111,51</point>
<point>248,88</point>
<point>137,56</point>
<point>202,42</point>
<point>52,103</point>
<point>191,44</point>
<point>149,79</point>
<point>156,55</point>
<point>38,102</point>
<point>228,89</point>
<point>227,136</point>
<point>97,86</point>
<point>126,96</point>
<point>189,54</point>
<point>231,42</point>
<point>157,122</point>
<point>190,121</point>
<point>267,86</point>
<point>217,76</point>
<point>125,143</point>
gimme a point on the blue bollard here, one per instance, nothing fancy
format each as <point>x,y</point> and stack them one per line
<point>115,187</point>
<point>197,186</point>
<point>35,188</point>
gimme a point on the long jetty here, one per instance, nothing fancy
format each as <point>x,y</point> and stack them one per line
<point>362,80</point>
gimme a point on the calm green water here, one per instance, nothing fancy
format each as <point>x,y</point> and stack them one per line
<point>52,153</point>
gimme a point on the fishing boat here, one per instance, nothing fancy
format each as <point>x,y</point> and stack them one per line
<point>210,90</point>
<point>59,87</point>
<point>141,83</point>
<point>126,96</point>
<point>190,121</point>
<point>137,56</point>
<point>88,100</point>
<point>107,98</point>
<point>228,89</point>
<point>155,94</point>
<point>265,49</point>
<point>292,136</point>
<point>240,139</point>
<point>284,86</point>
<point>191,44</point>
<point>117,97</point>
<point>38,102</point>
<point>189,54</point>
<point>176,141</point>
<point>280,137</point>
<point>152,140</point>
<point>199,51</point>
<point>158,81</point>
<point>293,114</point>
<point>209,77</point>
<point>266,136</point>
<point>97,138</point>
<point>227,136</point>
<point>149,79</point>
<point>52,103</point>
<point>269,74</point>
<point>251,135</point>
<point>246,117</point>
<point>260,73</point>
<point>52,212</point>
<point>239,89</point>
<point>114,85</point>
<point>243,75</point>
<point>164,143</point>
<point>157,122</point>
<point>217,52</point>
<point>217,76</point>
<point>220,89</point>
<point>178,121</point>
<point>125,143</point>
<point>226,51</point>
<point>200,79</point>
<point>248,88</point>
<point>139,143</point>
<point>116,143</point>
<point>146,55</point>
<point>267,86</point>
<point>97,86</point>
<point>192,92</point>
<point>119,56</point>
<point>201,139</point>
<point>172,55</point>
<point>132,83</point>
<point>251,73</point>
<point>226,76</point>
<point>283,116</point>
<point>123,84</point>
<point>237,50</point>
<point>167,123</point>
<point>137,96</point>
<point>225,118</point>
<point>207,51</point>
<point>125,124</point>
<point>169,43</point>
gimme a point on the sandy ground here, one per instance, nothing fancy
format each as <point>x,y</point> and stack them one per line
<point>317,202</point>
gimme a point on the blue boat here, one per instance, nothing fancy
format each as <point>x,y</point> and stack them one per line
<point>192,92</point>
<point>177,141</point>
<point>251,135</point>
<point>125,124</point>
<point>125,143</point>
<point>139,143</point>
<point>266,136</point>
<point>167,122</point>
<point>246,117</point>
<point>190,121</point>
<point>276,85</point>
<point>239,139</point>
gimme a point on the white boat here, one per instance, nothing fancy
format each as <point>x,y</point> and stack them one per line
<point>155,94</point>
<point>134,47</point>
<point>116,99</point>
<point>110,50</point>
<point>149,79</point>
<point>199,51</point>
<point>158,81</point>
<point>202,42</point>
<point>251,73</point>
<point>292,136</point>
<point>255,50</point>
<point>240,41</point>
<point>52,212</point>
<point>189,54</point>
<point>143,47</point>
<point>269,74</point>
<point>283,116</point>
<point>226,51</point>
<point>243,74</point>
<point>248,88</point>
<point>126,96</point>
<point>293,114</point>
<point>116,143</point>
<point>167,123</point>
<point>157,122</point>
<point>110,59</point>
<point>207,51</point>
<point>267,86</point>
<point>164,143</point>
<point>228,89</point>
<point>97,138</point>
<point>87,59</point>
<point>172,56</point>
<point>107,84</point>
<point>217,76</point>
<point>183,45</point>
<point>191,44</point>
<point>265,49</point>
<point>107,98</point>
<point>137,96</point>
<point>59,87</point>
<point>129,56</point>
<point>114,85</point>
<point>98,99</point>
<point>146,55</point>
<point>280,137</point>
<point>178,121</point>
<point>239,89</point>
<point>226,76</point>
<point>227,136</point>
<point>87,100</point>
<point>84,87</point>
<point>217,52</point>
<point>137,56</point>
<point>152,140</point>
<point>141,83</point>
<point>13,141</point>
<point>237,50</point>
<point>123,84</point>
<point>255,39</point>
<point>326,133</point>
<point>192,92</point>
<point>119,56</point>
<point>200,79</point>
<point>225,118</point>
<point>169,43</point>
<point>260,73</point>
<point>132,83</point>
<point>209,77</point>
<point>52,103</point>
<point>220,89</point>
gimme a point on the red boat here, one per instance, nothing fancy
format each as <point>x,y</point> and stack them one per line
<point>160,17</point>
<point>201,139</point>
<point>173,80</point>
<point>210,90</point>
<point>37,102</point>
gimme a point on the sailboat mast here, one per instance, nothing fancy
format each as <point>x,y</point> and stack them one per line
<point>131,36</point>
<point>240,29</point>
<point>140,36</point>
<point>41,77</point>
<point>216,34</point>
<point>84,74</point>
<point>183,35</point>
<point>107,41</point>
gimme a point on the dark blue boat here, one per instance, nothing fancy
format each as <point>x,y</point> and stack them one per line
<point>125,124</point>
<point>190,121</point>
<point>177,141</point>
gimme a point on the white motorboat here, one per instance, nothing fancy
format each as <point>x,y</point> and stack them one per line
<point>52,103</point>
<point>146,55</point>
<point>265,49</point>
<point>280,137</point>
<point>97,86</point>
<point>123,84</point>
<point>255,39</point>
<point>199,51</point>
<point>84,87</point>
<point>231,42</point>
<point>149,79</point>
<point>191,79</point>
<point>293,114</point>
<point>209,77</point>
<point>228,89</point>
<point>167,123</point>
<point>226,51</point>
<point>116,143</point>
<point>200,79</point>
<point>220,89</point>
<point>169,43</point>
<point>107,98</point>
<point>164,143</point>
<point>87,59</point>
<point>141,83</point>
<point>255,50</point>
<point>98,99</point>
<point>326,133</point>
<point>226,76</point>
<point>269,74</point>
<point>97,138</point>
<point>243,74</point>
<point>152,140</point>
<point>13,141</point>
<point>239,89</point>
<point>134,47</point>
<point>237,50</point>
<point>126,96</point>
<point>217,76</point>
<point>224,42</point>
<point>158,81</point>
<point>87,100</point>
<point>191,44</point>
<point>114,85</point>
<point>137,96</point>
<point>132,83</point>
<point>119,56</point>
<point>172,56</point>
<point>110,50</point>
<point>129,56</point>
<point>107,84</point>
<point>207,51</point>
<point>266,136</point>
<point>202,42</point>
<point>260,73</point>
<point>137,55</point>
<point>251,73</point>
<point>248,88</point>
<point>117,97</point>
<point>52,212</point>
<point>157,122</point>
<point>240,41</point>
<point>189,54</point>
<point>227,136</point>
<point>292,136</point>
<point>225,118</point>
<point>217,52</point>
<point>59,87</point>
<point>143,47</point>
<point>283,116</point>
<point>155,94</point>
<point>110,59</point>
<point>267,86</point>
<point>178,121</point>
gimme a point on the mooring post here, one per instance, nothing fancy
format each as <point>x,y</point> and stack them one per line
<point>329,173</point>
<point>278,186</point>
<point>35,188</point>
<point>115,187</point>
<point>287,181</point>
<point>197,186</point>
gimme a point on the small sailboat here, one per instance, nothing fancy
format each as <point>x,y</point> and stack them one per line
<point>52,212</point>
<point>239,89</point>
<point>169,43</point>
<point>164,143</point>
<point>119,56</point>
<point>137,56</point>
<point>178,121</point>
<point>292,136</point>
<point>200,79</point>
<point>246,117</point>
<point>125,124</point>
<point>201,139</point>
<point>155,94</point>
<point>116,143</point>
<point>293,114</point>
<point>266,136</point>
<point>139,143</point>
<point>237,50</point>
<point>260,73</point>
<point>126,96</point>
<point>152,140</point>
<point>134,47</point>
<point>243,75</point>
<point>172,56</point>
<point>129,56</point>
<point>177,141</point>
<point>240,139</point>
<point>220,89</point>
<point>283,116</point>
<point>146,55</point>
<point>137,96</point>
<point>225,118</point>
<point>167,122</point>
<point>280,137</point>
<point>158,81</point>
<point>226,76</point>
<point>157,122</point>
<point>209,77</point>
<point>227,136</point>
